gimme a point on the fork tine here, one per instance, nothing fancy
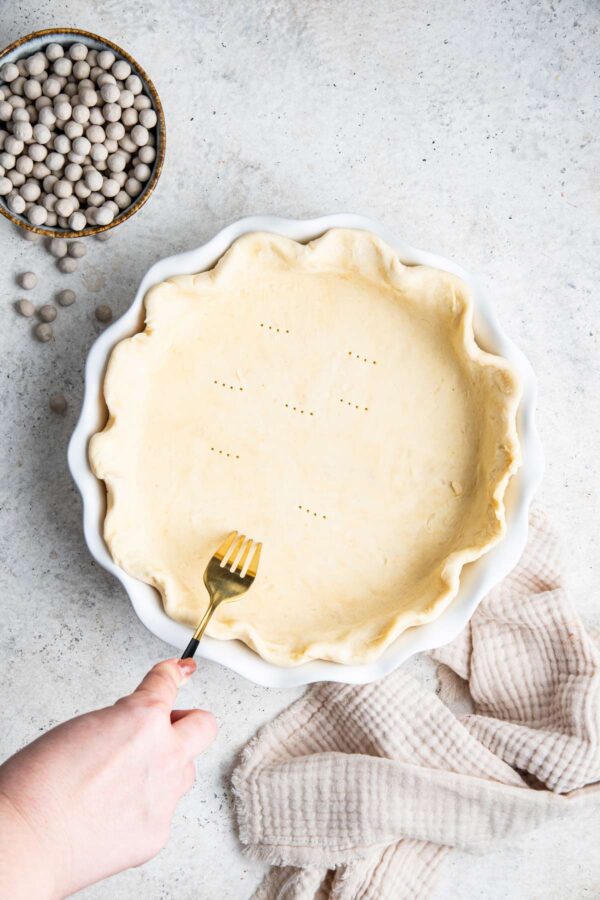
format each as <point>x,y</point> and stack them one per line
<point>223,549</point>
<point>231,557</point>
<point>253,567</point>
<point>239,568</point>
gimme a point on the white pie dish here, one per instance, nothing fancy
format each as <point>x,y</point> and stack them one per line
<point>477,578</point>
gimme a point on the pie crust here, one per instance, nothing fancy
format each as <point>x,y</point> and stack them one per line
<point>328,401</point>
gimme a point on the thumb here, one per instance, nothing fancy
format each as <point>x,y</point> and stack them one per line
<point>164,680</point>
<point>196,728</point>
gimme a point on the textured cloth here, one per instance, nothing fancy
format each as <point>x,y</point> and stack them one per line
<point>357,793</point>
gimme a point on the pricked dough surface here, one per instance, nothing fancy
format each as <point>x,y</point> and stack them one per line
<point>328,401</point>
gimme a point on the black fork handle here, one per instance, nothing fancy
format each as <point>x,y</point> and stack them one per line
<point>191,648</point>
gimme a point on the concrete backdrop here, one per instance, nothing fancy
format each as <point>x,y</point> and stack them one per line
<point>471,129</point>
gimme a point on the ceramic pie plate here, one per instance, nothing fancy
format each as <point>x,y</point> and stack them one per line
<point>477,578</point>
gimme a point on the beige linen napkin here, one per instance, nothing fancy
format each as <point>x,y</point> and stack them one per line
<point>357,793</point>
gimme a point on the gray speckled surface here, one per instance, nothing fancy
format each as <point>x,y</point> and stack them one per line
<point>469,128</point>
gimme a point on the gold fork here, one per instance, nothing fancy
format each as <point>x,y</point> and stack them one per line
<point>226,578</point>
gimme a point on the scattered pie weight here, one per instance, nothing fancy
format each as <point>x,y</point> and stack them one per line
<point>27,280</point>
<point>77,129</point>
<point>66,264</point>
<point>104,313</point>
<point>66,297</point>
<point>25,308</point>
<point>47,312</point>
<point>43,332</point>
<point>58,404</point>
<point>58,247</point>
<point>76,249</point>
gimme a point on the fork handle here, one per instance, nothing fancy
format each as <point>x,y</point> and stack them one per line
<point>193,644</point>
<point>190,649</point>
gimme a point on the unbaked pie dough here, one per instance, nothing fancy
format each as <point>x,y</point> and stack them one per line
<point>328,401</point>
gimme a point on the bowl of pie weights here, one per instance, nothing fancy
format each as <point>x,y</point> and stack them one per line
<point>82,133</point>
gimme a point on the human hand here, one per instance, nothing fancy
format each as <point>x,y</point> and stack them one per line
<point>97,794</point>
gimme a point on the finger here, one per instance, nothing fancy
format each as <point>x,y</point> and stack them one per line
<point>164,680</point>
<point>178,714</point>
<point>197,729</point>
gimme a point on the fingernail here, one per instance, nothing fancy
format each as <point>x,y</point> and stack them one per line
<point>187,667</point>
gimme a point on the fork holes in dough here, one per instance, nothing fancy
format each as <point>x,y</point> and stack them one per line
<point>275,328</point>
<point>351,404</point>
<point>360,358</point>
<point>226,385</point>
<point>222,452</point>
<point>311,512</point>
<point>297,409</point>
